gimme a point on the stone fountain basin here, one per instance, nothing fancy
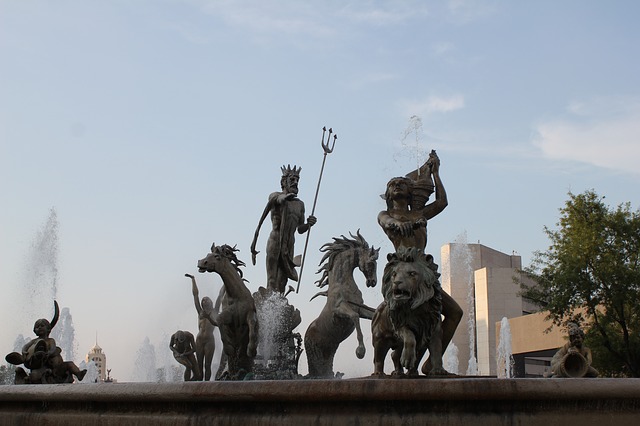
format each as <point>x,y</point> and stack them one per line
<point>367,401</point>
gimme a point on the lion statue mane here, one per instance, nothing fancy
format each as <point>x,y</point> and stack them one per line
<point>409,320</point>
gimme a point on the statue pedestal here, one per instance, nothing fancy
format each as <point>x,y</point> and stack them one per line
<point>472,401</point>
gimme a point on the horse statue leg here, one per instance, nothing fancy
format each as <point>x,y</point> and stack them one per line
<point>344,310</point>
<point>252,322</point>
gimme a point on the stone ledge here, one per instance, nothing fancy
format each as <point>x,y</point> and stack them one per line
<point>352,401</point>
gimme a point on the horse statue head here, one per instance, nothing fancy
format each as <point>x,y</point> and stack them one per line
<point>363,256</point>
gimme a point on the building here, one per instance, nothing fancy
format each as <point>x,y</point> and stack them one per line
<point>481,280</point>
<point>100,359</point>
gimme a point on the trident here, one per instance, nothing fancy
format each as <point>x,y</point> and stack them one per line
<point>327,150</point>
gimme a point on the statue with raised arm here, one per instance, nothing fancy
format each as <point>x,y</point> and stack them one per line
<point>205,344</point>
<point>183,346</point>
<point>405,223</point>
<point>287,217</point>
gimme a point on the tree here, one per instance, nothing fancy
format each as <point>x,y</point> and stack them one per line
<point>590,274</point>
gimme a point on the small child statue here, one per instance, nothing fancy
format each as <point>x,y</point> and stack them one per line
<point>573,359</point>
<point>42,357</point>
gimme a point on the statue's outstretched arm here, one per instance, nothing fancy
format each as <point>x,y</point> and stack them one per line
<point>441,202</point>
<point>194,290</point>
<point>266,211</point>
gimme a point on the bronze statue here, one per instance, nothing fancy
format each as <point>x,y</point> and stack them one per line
<point>183,346</point>
<point>205,342</point>
<point>405,223</point>
<point>345,306</point>
<point>287,217</point>
<point>409,319</point>
<point>573,359</point>
<point>237,320</point>
<point>42,357</point>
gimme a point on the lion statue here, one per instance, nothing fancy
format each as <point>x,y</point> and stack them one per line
<point>409,319</point>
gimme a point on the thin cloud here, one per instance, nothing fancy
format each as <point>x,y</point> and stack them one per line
<point>604,133</point>
<point>373,78</point>
<point>384,13</point>
<point>464,11</point>
<point>435,104</point>
<point>442,47</point>
<point>311,19</point>
<point>269,17</point>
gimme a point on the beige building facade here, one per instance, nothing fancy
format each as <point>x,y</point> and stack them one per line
<point>481,280</point>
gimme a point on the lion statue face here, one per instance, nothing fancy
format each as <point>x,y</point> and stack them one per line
<point>408,281</point>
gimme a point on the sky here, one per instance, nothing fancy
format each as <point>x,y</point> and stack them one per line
<point>154,128</point>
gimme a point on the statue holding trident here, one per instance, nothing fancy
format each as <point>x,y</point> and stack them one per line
<point>287,217</point>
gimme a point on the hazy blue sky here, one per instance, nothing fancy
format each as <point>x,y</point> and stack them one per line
<point>155,128</point>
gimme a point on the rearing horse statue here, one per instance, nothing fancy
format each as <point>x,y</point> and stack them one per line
<point>345,306</point>
<point>238,321</point>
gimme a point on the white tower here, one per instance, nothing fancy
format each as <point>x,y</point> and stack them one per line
<point>100,359</point>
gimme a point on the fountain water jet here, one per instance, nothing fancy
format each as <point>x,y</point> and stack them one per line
<point>278,346</point>
<point>64,334</point>
<point>464,258</point>
<point>145,364</point>
<point>450,359</point>
<point>504,356</point>
<point>92,372</point>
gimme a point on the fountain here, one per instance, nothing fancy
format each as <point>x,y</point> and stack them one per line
<point>39,284</point>
<point>64,334</point>
<point>279,347</point>
<point>43,356</point>
<point>145,363</point>
<point>92,375</point>
<point>504,358</point>
<point>450,359</point>
<point>249,335</point>
<point>464,271</point>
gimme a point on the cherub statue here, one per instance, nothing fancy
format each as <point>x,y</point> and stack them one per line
<point>573,359</point>
<point>42,357</point>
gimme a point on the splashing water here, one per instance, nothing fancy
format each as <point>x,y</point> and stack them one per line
<point>450,359</point>
<point>464,259</point>
<point>169,370</point>
<point>144,369</point>
<point>504,357</point>
<point>92,372</point>
<point>411,142</point>
<point>38,288</point>
<point>19,343</point>
<point>64,334</point>
<point>39,284</point>
<point>271,317</point>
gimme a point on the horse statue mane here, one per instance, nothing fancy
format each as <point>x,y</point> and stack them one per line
<point>229,253</point>
<point>336,247</point>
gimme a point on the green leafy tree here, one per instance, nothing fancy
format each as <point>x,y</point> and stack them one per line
<point>590,274</point>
